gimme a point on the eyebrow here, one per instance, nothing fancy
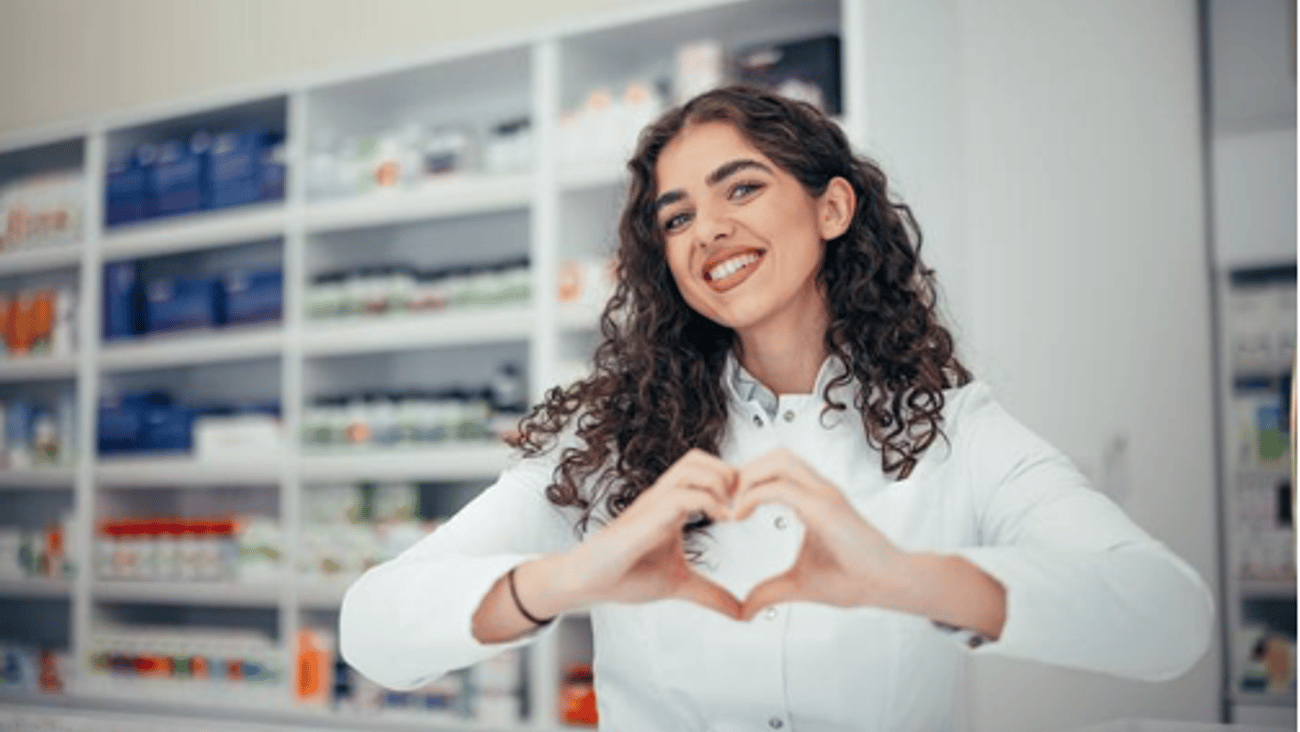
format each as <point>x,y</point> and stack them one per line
<point>723,172</point>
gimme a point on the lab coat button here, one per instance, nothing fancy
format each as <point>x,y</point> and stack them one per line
<point>770,614</point>
<point>780,522</point>
<point>775,723</point>
<point>758,421</point>
<point>789,415</point>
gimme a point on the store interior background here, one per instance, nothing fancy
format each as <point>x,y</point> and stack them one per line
<point>1055,154</point>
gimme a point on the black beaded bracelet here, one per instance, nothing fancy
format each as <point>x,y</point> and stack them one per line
<point>510,578</point>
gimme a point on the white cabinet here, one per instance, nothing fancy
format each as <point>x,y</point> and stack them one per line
<point>485,181</point>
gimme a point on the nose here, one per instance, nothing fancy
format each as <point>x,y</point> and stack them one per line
<point>712,225</point>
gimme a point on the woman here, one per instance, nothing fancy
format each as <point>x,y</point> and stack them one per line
<point>783,499</point>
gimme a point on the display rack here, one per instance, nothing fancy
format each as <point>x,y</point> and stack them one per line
<point>556,209</point>
<point>1256,316</point>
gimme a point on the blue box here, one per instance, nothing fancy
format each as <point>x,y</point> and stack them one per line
<point>183,303</point>
<point>126,192</point>
<point>274,172</point>
<point>122,426</point>
<point>123,301</point>
<point>168,428</point>
<point>235,167</point>
<point>253,296</point>
<point>177,179</point>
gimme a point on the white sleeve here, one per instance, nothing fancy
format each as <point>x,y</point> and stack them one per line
<point>1085,586</point>
<point>407,622</point>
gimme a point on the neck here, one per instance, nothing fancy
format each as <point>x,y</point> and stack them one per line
<point>785,356</point>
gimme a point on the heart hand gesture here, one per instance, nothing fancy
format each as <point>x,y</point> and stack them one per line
<point>844,560</point>
<point>640,556</point>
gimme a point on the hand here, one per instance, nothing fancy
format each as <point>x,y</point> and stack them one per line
<point>844,560</point>
<point>640,556</point>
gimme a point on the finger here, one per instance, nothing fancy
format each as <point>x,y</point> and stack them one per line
<point>725,474</point>
<point>701,591</point>
<point>704,478</point>
<point>688,500</point>
<point>779,490</point>
<point>784,587</point>
<point>781,463</point>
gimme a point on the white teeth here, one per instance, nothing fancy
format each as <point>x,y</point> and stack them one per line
<point>731,266</point>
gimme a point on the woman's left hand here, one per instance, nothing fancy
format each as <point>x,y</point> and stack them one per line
<point>844,560</point>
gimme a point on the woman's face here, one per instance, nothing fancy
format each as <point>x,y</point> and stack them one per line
<point>743,238</point>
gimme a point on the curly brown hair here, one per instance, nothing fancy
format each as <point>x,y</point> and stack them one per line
<point>656,389</point>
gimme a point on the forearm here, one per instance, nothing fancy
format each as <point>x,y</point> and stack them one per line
<point>545,590</point>
<point>951,590</point>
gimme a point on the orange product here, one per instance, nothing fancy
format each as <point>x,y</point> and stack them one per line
<point>313,668</point>
<point>578,696</point>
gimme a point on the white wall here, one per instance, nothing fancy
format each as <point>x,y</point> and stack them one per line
<point>74,59</point>
<point>1090,290</point>
<point>1051,149</point>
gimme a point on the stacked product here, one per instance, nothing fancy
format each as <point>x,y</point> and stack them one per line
<point>413,154</point>
<point>212,665</point>
<point>42,211</point>
<point>490,692</point>
<point>32,553</point>
<point>149,421</point>
<point>202,171</point>
<point>32,669</point>
<point>605,126</point>
<point>136,306</point>
<point>39,434</point>
<point>246,549</point>
<point>415,418</point>
<point>396,288</point>
<point>38,323</point>
<point>350,528</point>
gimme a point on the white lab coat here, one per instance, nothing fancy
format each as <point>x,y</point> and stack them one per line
<point>1085,587</point>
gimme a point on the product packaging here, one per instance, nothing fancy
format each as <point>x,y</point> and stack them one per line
<point>807,70</point>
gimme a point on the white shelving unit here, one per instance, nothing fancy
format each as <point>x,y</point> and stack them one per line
<point>558,209</point>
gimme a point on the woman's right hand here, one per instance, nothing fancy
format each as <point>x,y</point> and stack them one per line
<point>640,556</point>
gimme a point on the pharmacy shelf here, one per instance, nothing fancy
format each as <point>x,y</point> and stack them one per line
<point>1268,589</point>
<point>234,344</point>
<point>222,594</point>
<point>450,462</point>
<point>35,587</point>
<point>54,478</point>
<point>458,196</point>
<point>407,332</point>
<point>37,368</point>
<point>321,595</point>
<point>196,231</point>
<point>578,317</point>
<point>184,471</point>
<point>40,259</point>
<point>1264,699</point>
<point>593,174</point>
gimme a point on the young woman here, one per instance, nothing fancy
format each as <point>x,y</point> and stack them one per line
<point>782,498</point>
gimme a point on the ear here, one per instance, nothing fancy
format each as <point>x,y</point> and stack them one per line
<point>835,208</point>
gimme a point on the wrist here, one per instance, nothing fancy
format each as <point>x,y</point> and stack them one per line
<point>545,586</point>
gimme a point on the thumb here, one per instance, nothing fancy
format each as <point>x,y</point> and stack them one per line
<point>783,587</point>
<point>701,591</point>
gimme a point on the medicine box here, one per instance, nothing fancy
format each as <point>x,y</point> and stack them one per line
<point>176,178</point>
<point>807,70</point>
<point>235,167</point>
<point>126,192</point>
<point>253,296</point>
<point>183,303</point>
<point>123,301</point>
<point>169,428</point>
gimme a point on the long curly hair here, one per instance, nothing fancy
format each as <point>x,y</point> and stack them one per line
<point>656,388</point>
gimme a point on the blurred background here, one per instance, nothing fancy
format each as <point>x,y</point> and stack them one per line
<point>277,276</point>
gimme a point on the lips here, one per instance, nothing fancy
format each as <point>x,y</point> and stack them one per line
<point>729,267</point>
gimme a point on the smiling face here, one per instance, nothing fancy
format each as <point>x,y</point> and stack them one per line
<point>743,238</point>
